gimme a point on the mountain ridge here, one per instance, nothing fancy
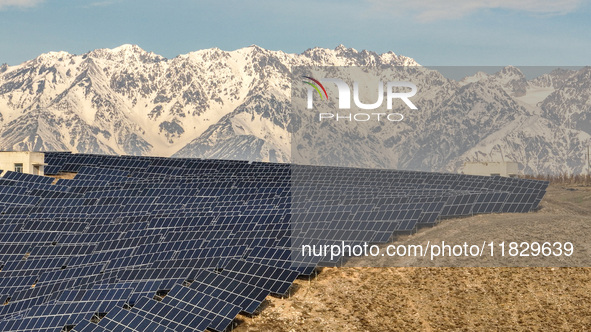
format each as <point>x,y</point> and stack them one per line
<point>236,104</point>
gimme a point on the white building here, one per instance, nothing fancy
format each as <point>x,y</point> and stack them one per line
<point>505,168</point>
<point>22,162</point>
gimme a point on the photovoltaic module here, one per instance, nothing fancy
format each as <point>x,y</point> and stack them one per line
<point>167,244</point>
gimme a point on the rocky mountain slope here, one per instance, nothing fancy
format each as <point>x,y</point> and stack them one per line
<point>218,104</point>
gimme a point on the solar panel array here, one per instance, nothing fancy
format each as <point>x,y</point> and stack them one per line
<point>162,244</point>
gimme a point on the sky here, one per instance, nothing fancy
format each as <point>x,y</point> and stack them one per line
<point>433,32</point>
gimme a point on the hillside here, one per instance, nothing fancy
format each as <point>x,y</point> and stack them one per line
<point>237,105</point>
<point>443,298</point>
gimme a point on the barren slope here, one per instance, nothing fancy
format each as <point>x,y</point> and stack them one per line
<point>444,298</point>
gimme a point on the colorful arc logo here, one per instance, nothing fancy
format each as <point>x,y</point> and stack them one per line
<point>315,84</point>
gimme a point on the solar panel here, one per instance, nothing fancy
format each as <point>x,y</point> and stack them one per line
<point>165,244</point>
<point>242,294</point>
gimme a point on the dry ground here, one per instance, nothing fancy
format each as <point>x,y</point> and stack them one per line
<point>452,298</point>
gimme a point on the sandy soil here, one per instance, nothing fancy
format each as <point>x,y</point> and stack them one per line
<point>452,298</point>
<point>65,175</point>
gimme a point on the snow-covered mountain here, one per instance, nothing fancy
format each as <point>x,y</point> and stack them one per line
<point>555,133</point>
<point>218,104</point>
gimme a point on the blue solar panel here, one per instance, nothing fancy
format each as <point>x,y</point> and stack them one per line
<point>163,244</point>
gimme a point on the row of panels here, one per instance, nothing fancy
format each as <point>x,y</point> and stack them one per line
<point>142,243</point>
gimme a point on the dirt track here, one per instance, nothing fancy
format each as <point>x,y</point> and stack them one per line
<point>445,298</point>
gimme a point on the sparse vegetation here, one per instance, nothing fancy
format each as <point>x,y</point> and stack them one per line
<point>563,179</point>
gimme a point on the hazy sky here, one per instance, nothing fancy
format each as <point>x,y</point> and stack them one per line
<point>434,32</point>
